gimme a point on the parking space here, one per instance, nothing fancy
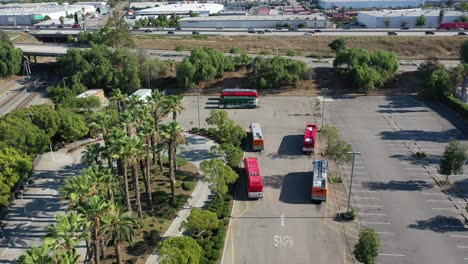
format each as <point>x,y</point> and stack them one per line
<point>284,226</point>
<point>394,192</point>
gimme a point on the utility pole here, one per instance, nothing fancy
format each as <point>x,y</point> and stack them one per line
<point>148,77</point>
<point>351,181</point>
<point>63,79</point>
<point>198,107</point>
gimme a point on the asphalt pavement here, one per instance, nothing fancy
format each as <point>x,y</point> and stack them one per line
<point>284,226</point>
<point>396,194</point>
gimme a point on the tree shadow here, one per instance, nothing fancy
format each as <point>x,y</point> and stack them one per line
<point>430,158</point>
<point>440,224</point>
<point>421,135</point>
<point>399,185</point>
<point>296,188</point>
<point>290,147</point>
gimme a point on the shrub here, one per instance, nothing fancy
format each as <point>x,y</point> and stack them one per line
<point>291,53</point>
<point>202,131</point>
<point>194,129</point>
<point>179,48</point>
<point>188,186</point>
<point>265,52</point>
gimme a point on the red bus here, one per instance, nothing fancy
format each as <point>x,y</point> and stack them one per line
<point>239,92</point>
<point>310,136</point>
<point>453,25</point>
<point>254,179</point>
<point>319,181</point>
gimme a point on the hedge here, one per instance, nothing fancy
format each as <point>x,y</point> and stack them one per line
<point>457,105</point>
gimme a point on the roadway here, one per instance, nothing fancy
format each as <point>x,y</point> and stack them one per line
<point>394,193</point>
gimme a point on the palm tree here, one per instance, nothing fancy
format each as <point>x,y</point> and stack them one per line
<point>157,102</point>
<point>146,131</point>
<point>94,208</point>
<point>67,257</point>
<point>137,151</point>
<point>174,136</point>
<point>76,190</point>
<point>174,104</point>
<point>91,154</point>
<point>104,181</point>
<point>119,98</point>
<point>134,101</point>
<point>67,232</point>
<point>127,119</point>
<point>36,255</point>
<point>121,150</point>
<point>101,123</point>
<point>118,228</point>
<point>459,75</point>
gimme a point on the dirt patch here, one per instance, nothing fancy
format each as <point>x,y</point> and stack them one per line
<point>316,46</point>
<point>24,38</point>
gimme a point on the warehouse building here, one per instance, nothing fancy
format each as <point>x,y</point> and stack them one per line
<point>363,4</point>
<point>181,9</point>
<point>312,21</point>
<point>396,18</point>
<point>31,14</point>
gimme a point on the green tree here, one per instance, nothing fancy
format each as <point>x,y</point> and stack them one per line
<point>218,175</point>
<point>137,152</point>
<point>42,116</point>
<point>453,159</point>
<point>185,72</point>
<point>31,140</point>
<point>179,250</point>
<point>118,228</point>
<point>421,21</point>
<point>462,6</point>
<point>174,104</point>
<point>387,23</point>
<point>226,129</point>
<point>463,18</point>
<point>157,102</point>
<point>404,23</point>
<point>464,52</point>
<point>72,126</point>
<point>92,154</point>
<point>200,221</point>
<point>337,45</point>
<point>154,69</point>
<point>275,72</point>
<point>231,154</point>
<point>14,168</point>
<point>368,247</point>
<point>291,53</point>
<point>337,148</point>
<point>147,131</point>
<point>173,135</point>
<point>438,84</point>
<point>428,66</point>
<point>10,57</point>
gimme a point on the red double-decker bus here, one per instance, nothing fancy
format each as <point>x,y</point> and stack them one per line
<point>239,92</point>
<point>453,25</point>
<point>310,137</point>
<point>254,179</point>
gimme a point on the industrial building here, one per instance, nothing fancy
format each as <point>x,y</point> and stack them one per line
<point>396,18</point>
<point>313,21</point>
<point>181,9</point>
<point>29,14</point>
<point>363,4</point>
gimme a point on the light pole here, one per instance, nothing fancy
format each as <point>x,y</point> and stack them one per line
<point>22,201</point>
<point>198,108</point>
<point>323,105</point>
<point>351,181</point>
<point>63,79</point>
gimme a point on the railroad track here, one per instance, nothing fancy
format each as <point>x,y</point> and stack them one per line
<point>9,103</point>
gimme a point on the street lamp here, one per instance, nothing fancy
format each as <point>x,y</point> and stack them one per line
<point>63,79</point>
<point>323,105</point>
<point>351,181</point>
<point>198,108</point>
<point>22,201</point>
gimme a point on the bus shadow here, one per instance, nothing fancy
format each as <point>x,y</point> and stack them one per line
<point>290,147</point>
<point>296,188</point>
<point>241,187</point>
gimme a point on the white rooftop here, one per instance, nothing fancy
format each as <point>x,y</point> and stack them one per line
<point>91,92</point>
<point>183,8</point>
<point>254,18</point>
<point>143,93</point>
<point>412,12</point>
<point>38,9</point>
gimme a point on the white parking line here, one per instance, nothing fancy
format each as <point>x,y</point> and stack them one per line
<point>363,191</point>
<point>448,209</point>
<point>436,193</point>
<point>359,213</point>
<point>439,201</point>
<point>366,205</point>
<point>392,255</point>
<point>366,198</point>
<point>462,246</point>
<point>386,233</point>
<point>361,178</point>
<point>459,236</point>
<point>382,243</point>
<point>375,223</point>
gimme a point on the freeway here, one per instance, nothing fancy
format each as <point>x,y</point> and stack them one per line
<point>59,50</point>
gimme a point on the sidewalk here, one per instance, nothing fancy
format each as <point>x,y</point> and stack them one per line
<point>198,150</point>
<point>29,215</point>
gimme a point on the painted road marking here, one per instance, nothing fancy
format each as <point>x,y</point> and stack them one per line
<point>282,219</point>
<point>366,198</point>
<point>439,201</point>
<point>462,246</point>
<point>371,214</point>
<point>386,233</point>
<point>459,236</point>
<point>375,223</point>
<point>361,178</point>
<point>449,209</point>
<point>366,205</point>
<point>283,241</point>
<point>363,191</point>
<point>392,255</point>
<point>438,193</point>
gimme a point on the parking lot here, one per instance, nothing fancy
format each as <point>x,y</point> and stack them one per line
<point>396,194</point>
<point>284,226</point>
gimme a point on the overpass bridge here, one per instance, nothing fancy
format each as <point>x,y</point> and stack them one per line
<point>44,50</point>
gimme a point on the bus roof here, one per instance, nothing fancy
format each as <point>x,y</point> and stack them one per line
<point>319,174</point>
<point>253,171</point>
<point>256,131</point>
<point>239,90</point>
<point>310,133</point>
